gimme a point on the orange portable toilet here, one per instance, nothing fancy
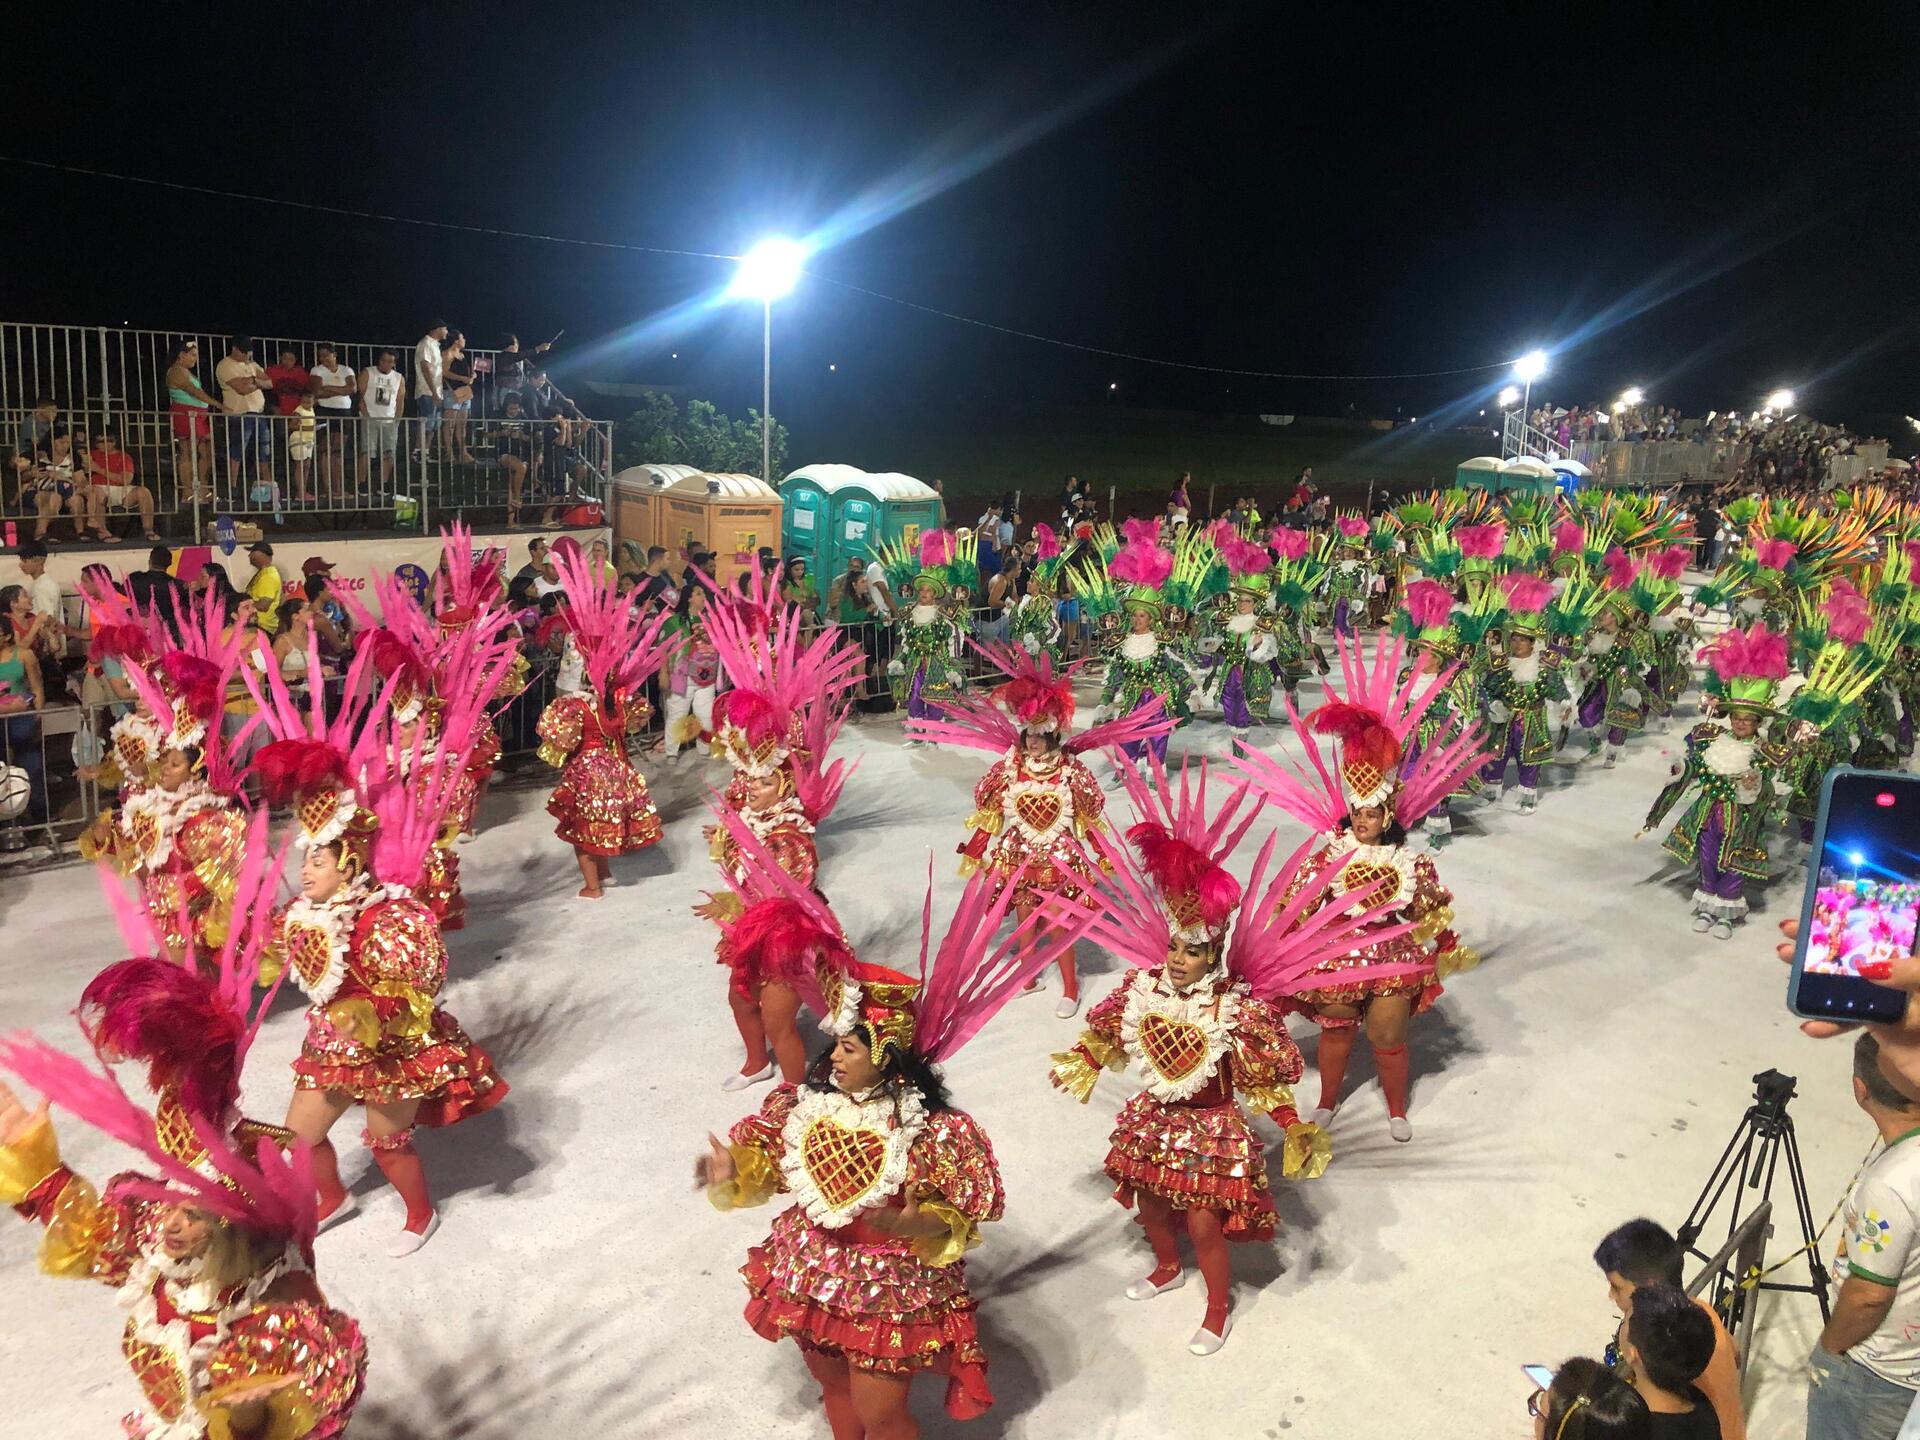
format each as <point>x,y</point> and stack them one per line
<point>731,515</point>
<point>634,514</point>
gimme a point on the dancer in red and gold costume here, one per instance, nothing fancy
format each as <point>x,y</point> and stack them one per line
<point>468,592</point>
<point>1362,807</point>
<point>775,725</point>
<point>1203,1016</point>
<point>601,801</point>
<point>890,1182</point>
<point>1038,803</point>
<point>364,951</point>
<point>227,1332</point>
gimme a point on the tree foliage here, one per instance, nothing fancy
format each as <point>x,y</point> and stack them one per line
<point>660,432</point>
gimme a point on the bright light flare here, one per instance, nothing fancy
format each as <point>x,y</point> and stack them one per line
<point>1530,366</point>
<point>1632,395</point>
<point>1509,397</point>
<point>1780,400</point>
<point>769,270</point>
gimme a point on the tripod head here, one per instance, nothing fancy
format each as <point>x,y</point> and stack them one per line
<point>1771,1092</point>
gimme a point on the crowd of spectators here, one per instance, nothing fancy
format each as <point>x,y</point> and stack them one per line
<point>300,429</point>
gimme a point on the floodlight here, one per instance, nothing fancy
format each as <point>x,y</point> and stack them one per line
<point>1508,396</point>
<point>1781,400</point>
<point>769,270</point>
<point>1632,395</point>
<point>1530,366</point>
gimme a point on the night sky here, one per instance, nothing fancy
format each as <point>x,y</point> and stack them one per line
<point>1709,207</point>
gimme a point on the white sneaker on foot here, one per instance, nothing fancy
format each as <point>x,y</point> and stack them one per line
<point>348,1207</point>
<point>1205,1342</point>
<point>1068,1007</point>
<point>741,1081</point>
<point>408,1241</point>
<point>1398,1127</point>
<point>1702,924</point>
<point>1722,930</point>
<point>1145,1289</point>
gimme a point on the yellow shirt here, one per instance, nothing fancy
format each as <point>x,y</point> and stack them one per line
<point>265,594</point>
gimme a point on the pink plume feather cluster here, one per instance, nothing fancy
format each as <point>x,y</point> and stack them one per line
<point>1288,543</point>
<point>1141,561</point>
<point>1775,554</point>
<point>1481,542</point>
<point>1848,614</point>
<point>1243,557</point>
<point>936,548</point>
<point>1569,538</point>
<point>1621,569</point>
<point>1351,526</point>
<point>1429,604</point>
<point>1046,544</point>
<point>1671,562</point>
<point>1758,653</point>
<point>1526,594</point>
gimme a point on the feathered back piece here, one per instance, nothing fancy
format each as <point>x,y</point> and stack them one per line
<point>1670,563</point>
<point>1621,570</point>
<point>1142,562</point>
<point>788,700</point>
<point>619,645</point>
<point>784,927</point>
<point>465,586</point>
<point>267,1191</point>
<point>189,1022</point>
<point>1182,851</point>
<point>1429,604</point>
<point>1289,544</point>
<point>185,687</point>
<point>1569,539</point>
<point>1036,696</point>
<point>1369,696</point>
<point>121,629</point>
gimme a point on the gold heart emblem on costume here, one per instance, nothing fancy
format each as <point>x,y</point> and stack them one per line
<point>1038,809</point>
<point>1360,876</point>
<point>133,755</point>
<point>833,988</point>
<point>1174,1047</point>
<point>309,951</point>
<point>159,1376</point>
<point>843,1164</point>
<point>146,833</point>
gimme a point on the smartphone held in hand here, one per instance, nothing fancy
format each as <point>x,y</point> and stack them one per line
<point>1863,897</point>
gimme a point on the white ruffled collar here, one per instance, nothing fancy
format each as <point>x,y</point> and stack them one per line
<point>1211,1006</point>
<point>817,1114</point>
<point>1139,647</point>
<point>153,818</point>
<point>1728,755</point>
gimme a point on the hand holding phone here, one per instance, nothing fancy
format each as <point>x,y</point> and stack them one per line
<point>1853,957</point>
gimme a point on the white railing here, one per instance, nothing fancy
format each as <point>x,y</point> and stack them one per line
<point>1519,440</point>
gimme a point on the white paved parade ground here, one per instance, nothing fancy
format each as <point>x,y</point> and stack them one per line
<point>1590,1070</point>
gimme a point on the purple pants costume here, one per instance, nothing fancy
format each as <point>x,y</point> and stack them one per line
<point>1136,748</point>
<point>1496,770</point>
<point>1720,884</point>
<point>1593,709</point>
<point>917,707</point>
<point>1342,623</point>
<point>1233,702</point>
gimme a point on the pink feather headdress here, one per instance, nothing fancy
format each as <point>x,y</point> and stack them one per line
<point>1046,544</point>
<point>1429,604</point>
<point>1034,694</point>
<point>1481,542</point>
<point>1670,563</point>
<point>1849,616</point>
<point>619,645</point>
<point>1756,654</point>
<point>936,548</point>
<point>1142,560</point>
<point>466,587</point>
<point>1775,554</point>
<point>1569,538</point>
<point>1352,527</point>
<point>1372,690</point>
<point>1243,557</point>
<point>1288,543</point>
<point>1526,594</point>
<point>1622,569</point>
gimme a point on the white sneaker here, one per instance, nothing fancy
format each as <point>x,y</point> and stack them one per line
<point>739,1081</point>
<point>1612,759</point>
<point>1399,1128</point>
<point>348,1207</point>
<point>1205,1342</point>
<point>1702,923</point>
<point>1145,1289</point>
<point>407,1241</point>
<point>1322,1117</point>
<point>1722,930</point>
<point>1529,801</point>
<point>1068,1007</point>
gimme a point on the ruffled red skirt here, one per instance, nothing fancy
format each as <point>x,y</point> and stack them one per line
<point>602,804</point>
<point>1423,988</point>
<point>875,1303</point>
<point>1194,1158</point>
<point>451,1076</point>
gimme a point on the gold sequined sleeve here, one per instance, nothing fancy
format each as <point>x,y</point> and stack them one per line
<point>952,1167</point>
<point>1077,1071</point>
<point>1089,801</point>
<point>320,1347</point>
<point>1266,1062</point>
<point>561,726</point>
<point>755,1146</point>
<point>86,1237</point>
<point>402,961</point>
<point>987,796</point>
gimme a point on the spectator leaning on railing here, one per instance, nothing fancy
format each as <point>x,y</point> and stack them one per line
<point>428,385</point>
<point>383,390</point>
<point>243,396</point>
<point>22,697</point>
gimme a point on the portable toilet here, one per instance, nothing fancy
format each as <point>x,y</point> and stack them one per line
<point>834,513</point>
<point>1568,475</point>
<point>1480,473</point>
<point>634,516</point>
<point>1526,476</point>
<point>731,515</point>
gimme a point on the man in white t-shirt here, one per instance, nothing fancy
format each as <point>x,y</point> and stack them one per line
<point>428,385</point>
<point>877,588</point>
<point>336,390</point>
<point>243,395</point>
<point>1866,1365</point>
<point>383,390</point>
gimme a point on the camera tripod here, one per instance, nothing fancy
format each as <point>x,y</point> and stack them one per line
<point>1752,1158</point>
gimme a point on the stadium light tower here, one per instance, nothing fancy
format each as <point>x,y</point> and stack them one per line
<point>767,272</point>
<point>1780,401</point>
<point>1632,395</point>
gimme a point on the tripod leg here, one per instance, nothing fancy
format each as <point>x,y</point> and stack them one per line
<point>1808,1234</point>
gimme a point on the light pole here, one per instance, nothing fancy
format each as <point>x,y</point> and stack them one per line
<point>769,270</point>
<point>1527,369</point>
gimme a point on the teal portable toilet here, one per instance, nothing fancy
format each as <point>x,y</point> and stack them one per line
<point>833,513</point>
<point>1480,473</point>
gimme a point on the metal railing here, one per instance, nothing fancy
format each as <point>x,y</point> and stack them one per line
<point>1700,458</point>
<point>1519,440</point>
<point>188,468</point>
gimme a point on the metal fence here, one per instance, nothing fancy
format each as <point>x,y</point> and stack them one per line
<point>1659,464</point>
<point>176,472</point>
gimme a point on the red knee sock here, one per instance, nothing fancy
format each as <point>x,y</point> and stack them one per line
<point>395,1156</point>
<point>1158,1223</point>
<point>1210,1248</point>
<point>326,1179</point>
<point>1069,977</point>
<point>1335,1047</point>
<point>1392,1065</point>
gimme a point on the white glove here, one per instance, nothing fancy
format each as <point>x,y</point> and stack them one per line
<point>1631,698</point>
<point>1498,712</point>
<point>1210,644</point>
<point>1030,643</point>
<point>1099,715</point>
<point>894,667</point>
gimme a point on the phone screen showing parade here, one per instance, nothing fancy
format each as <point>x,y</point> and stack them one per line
<point>1863,897</point>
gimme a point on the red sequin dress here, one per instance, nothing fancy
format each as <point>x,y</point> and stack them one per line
<point>601,801</point>
<point>1413,885</point>
<point>827,1276</point>
<point>371,961</point>
<point>787,834</point>
<point>187,1343</point>
<point>439,888</point>
<point>1035,814</point>
<point>1184,1137</point>
<point>184,847</point>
